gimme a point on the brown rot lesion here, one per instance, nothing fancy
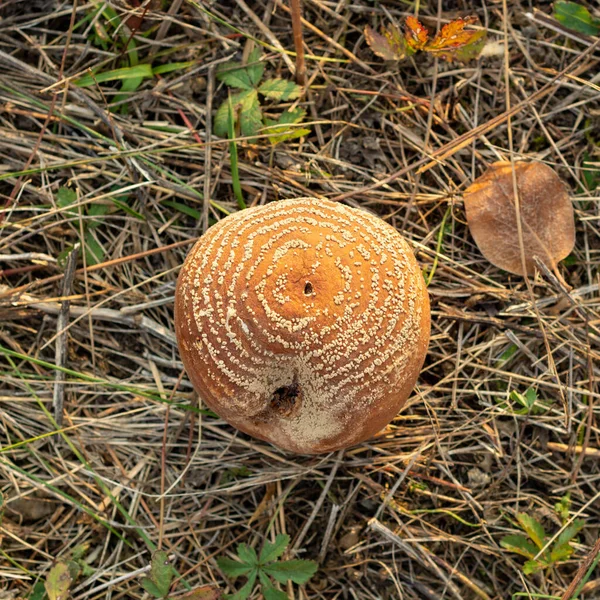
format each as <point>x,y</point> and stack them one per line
<point>286,400</point>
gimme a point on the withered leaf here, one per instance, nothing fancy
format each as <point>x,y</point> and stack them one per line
<point>416,34</point>
<point>453,41</point>
<point>546,211</point>
<point>205,592</point>
<point>389,44</point>
<point>58,581</point>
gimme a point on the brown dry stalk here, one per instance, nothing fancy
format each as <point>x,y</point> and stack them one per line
<point>298,41</point>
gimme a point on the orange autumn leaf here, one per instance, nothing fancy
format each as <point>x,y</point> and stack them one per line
<point>416,34</point>
<point>453,41</point>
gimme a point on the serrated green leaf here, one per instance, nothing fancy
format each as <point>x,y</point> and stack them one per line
<point>96,210</point>
<point>80,551</point>
<point>58,582</point>
<point>233,568</point>
<point>292,116</point>
<point>569,533</point>
<point>255,67</point>
<point>65,196</point>
<point>238,101</point>
<point>151,587</point>
<point>272,551</point>
<point>235,75</point>
<point>280,89</point>
<point>272,594</point>
<point>284,133</point>
<point>250,114</point>
<point>247,554</point>
<point>247,589</point>
<point>519,544</point>
<point>560,553</point>
<point>265,582</point>
<point>298,571</point>
<point>533,566</point>
<point>576,17</point>
<point>138,71</point>
<point>533,529</point>
<point>94,253</point>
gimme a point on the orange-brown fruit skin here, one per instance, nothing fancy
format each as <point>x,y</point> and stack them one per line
<point>303,323</point>
<point>547,216</point>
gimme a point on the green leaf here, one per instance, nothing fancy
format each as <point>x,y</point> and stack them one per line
<point>38,592</point>
<point>283,134</point>
<point>143,71</point>
<point>560,553</point>
<point>235,75</point>
<point>96,210</point>
<point>80,551</point>
<point>590,172</point>
<point>182,208</point>
<point>94,253</point>
<point>283,130</point>
<point>161,572</point>
<point>562,548</point>
<point>272,551</point>
<point>533,529</point>
<point>250,114</point>
<point>58,582</point>
<point>530,397</point>
<point>272,594</point>
<point>255,67</point>
<point>247,554</point>
<point>151,588</point>
<point>247,589</point>
<point>233,568</point>
<point>125,207</point>
<point>562,508</point>
<point>519,544</point>
<point>533,566</point>
<point>221,120</point>
<point>265,582</point>
<point>576,17</point>
<point>169,67</point>
<point>292,116</point>
<point>280,89</point>
<point>65,196</point>
<point>298,571</point>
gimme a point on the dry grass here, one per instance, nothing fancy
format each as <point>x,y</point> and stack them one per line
<point>136,465</point>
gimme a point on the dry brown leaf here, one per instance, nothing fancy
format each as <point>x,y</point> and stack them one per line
<point>547,217</point>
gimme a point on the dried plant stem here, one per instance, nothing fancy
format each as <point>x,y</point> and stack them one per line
<point>298,41</point>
